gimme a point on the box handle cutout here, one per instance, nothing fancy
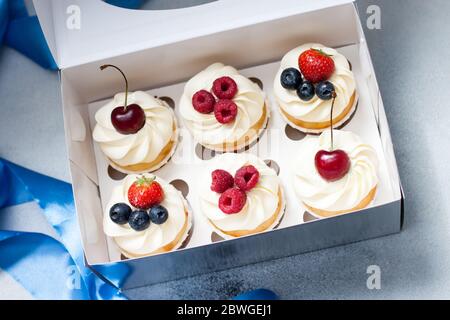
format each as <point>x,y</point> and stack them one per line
<point>257,81</point>
<point>181,186</point>
<point>274,165</point>
<point>294,134</point>
<point>115,174</point>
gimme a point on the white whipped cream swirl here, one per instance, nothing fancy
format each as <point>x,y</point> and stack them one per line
<point>343,194</point>
<point>315,110</point>
<point>262,200</point>
<point>249,99</point>
<point>145,145</point>
<point>139,243</point>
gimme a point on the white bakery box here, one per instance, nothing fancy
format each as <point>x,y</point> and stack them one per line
<point>159,51</point>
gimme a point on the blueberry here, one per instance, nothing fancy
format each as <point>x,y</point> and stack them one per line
<point>120,213</point>
<point>158,214</point>
<point>139,220</point>
<point>324,90</point>
<point>306,91</point>
<point>291,78</point>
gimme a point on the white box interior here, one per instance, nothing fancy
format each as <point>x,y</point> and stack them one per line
<point>256,50</point>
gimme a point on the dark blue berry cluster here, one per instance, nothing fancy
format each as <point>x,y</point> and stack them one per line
<point>139,220</point>
<point>292,79</point>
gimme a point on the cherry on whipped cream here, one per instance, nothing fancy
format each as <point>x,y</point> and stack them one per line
<point>126,119</point>
<point>334,164</point>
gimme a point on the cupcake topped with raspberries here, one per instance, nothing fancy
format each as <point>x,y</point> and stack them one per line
<point>304,84</point>
<point>223,110</point>
<point>241,195</point>
<point>146,215</point>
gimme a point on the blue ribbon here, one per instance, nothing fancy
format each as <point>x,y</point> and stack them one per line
<point>128,4</point>
<point>46,267</point>
<point>258,294</point>
<point>3,18</point>
<point>23,33</point>
<point>35,261</point>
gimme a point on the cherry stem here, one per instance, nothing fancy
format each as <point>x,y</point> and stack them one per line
<point>331,118</point>
<point>103,67</point>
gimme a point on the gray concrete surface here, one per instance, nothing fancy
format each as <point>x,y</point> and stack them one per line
<point>410,54</point>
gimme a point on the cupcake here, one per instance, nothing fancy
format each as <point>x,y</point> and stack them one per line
<point>223,110</point>
<point>303,85</point>
<point>335,173</point>
<point>145,215</point>
<point>241,195</point>
<point>136,132</point>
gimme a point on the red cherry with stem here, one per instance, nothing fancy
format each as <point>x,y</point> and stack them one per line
<point>334,164</point>
<point>126,119</point>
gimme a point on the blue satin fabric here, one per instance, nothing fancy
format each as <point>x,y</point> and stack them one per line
<point>41,265</point>
<point>3,18</point>
<point>258,294</point>
<point>23,33</point>
<point>47,268</point>
<point>128,4</point>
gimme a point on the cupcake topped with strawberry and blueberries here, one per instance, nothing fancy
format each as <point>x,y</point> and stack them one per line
<point>222,109</point>
<point>308,77</point>
<point>146,216</point>
<point>241,195</point>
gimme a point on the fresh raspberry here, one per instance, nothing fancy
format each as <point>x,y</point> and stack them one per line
<point>224,88</point>
<point>225,111</point>
<point>316,65</point>
<point>232,201</point>
<point>145,192</point>
<point>203,101</point>
<point>246,177</point>
<point>221,181</point>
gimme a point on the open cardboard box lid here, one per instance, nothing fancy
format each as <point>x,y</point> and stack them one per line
<point>118,31</point>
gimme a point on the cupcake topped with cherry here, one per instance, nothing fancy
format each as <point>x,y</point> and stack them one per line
<point>222,109</point>
<point>335,173</point>
<point>146,215</point>
<point>304,84</point>
<point>135,131</point>
<point>241,195</point>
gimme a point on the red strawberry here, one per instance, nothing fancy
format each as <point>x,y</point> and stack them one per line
<point>316,65</point>
<point>145,193</point>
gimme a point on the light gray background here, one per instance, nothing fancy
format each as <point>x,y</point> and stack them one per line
<point>411,57</point>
